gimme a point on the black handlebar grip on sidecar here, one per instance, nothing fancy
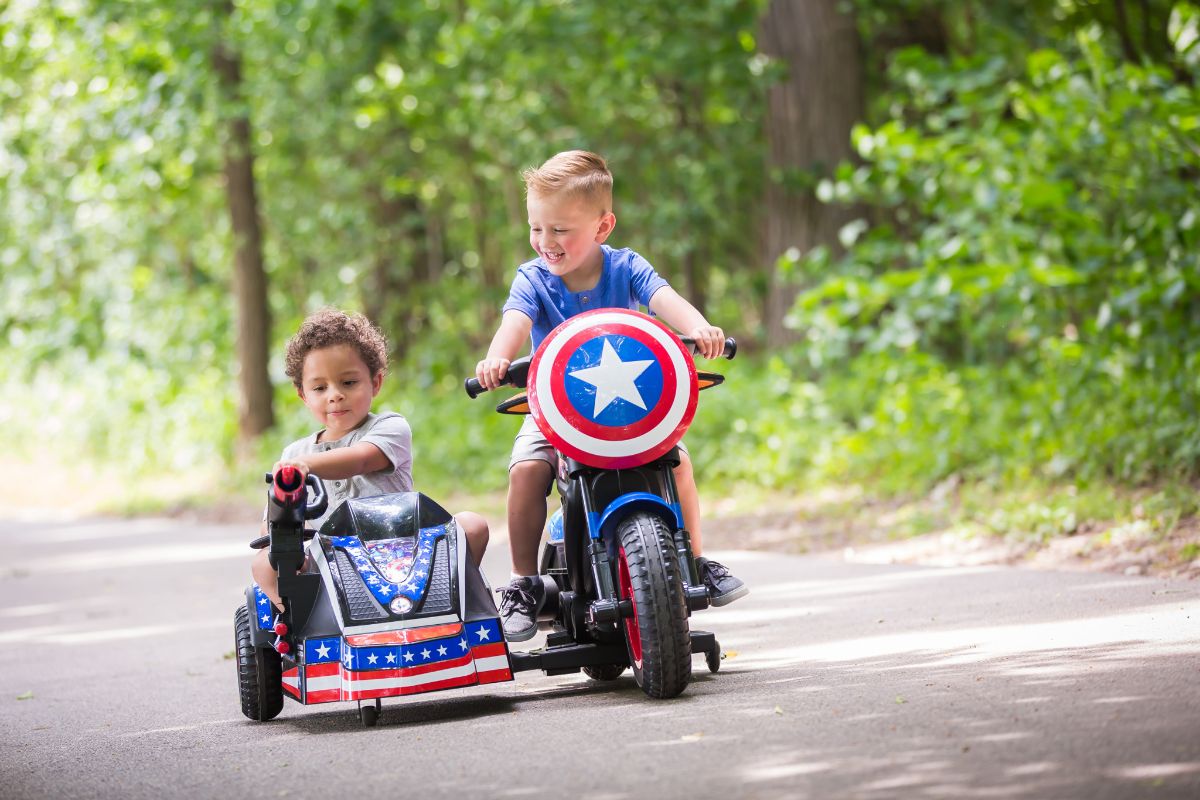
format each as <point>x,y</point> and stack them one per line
<point>729,351</point>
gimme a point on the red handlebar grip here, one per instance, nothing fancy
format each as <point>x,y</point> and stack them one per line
<point>289,483</point>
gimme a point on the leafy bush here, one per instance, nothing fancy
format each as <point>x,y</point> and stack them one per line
<point>1020,297</point>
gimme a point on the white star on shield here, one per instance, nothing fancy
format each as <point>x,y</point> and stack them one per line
<point>323,651</point>
<point>613,379</point>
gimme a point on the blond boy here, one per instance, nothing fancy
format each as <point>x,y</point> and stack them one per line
<point>569,201</point>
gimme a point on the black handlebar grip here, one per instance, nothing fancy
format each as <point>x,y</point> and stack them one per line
<point>730,348</point>
<point>474,389</point>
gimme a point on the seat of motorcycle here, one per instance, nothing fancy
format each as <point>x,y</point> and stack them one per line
<point>385,516</point>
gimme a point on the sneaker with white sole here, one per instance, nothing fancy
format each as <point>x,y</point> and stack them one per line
<point>520,603</point>
<point>723,587</point>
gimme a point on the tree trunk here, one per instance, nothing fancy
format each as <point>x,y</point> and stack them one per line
<point>809,117</point>
<point>255,410</point>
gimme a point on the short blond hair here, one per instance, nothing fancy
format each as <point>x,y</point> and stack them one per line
<point>575,174</point>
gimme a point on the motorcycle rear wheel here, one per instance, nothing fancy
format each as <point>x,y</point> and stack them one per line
<point>605,672</point>
<point>656,634</point>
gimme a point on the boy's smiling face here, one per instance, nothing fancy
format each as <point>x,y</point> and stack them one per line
<point>567,233</point>
<point>338,388</point>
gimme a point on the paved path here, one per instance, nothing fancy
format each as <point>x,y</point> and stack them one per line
<point>840,681</point>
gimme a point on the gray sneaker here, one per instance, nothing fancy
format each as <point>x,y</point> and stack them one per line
<point>520,603</point>
<point>723,587</point>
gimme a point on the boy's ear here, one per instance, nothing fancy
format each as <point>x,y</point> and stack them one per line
<point>300,392</point>
<point>376,383</point>
<point>607,223</point>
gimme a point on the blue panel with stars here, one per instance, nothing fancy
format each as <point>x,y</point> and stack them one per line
<point>398,656</point>
<point>320,651</point>
<point>384,590</point>
<point>483,631</point>
<point>264,611</point>
<point>623,356</point>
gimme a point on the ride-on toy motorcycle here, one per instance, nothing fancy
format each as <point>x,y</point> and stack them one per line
<point>390,604</point>
<point>613,391</point>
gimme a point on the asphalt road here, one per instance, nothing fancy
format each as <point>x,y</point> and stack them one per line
<point>116,681</point>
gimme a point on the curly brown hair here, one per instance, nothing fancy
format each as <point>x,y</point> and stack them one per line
<point>329,327</point>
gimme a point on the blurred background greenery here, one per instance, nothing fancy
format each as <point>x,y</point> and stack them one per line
<point>957,239</point>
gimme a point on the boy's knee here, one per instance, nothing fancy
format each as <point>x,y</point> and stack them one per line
<point>530,476</point>
<point>473,525</point>
<point>261,568</point>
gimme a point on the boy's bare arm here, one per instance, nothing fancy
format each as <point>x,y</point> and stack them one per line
<point>344,462</point>
<point>510,336</point>
<point>683,316</point>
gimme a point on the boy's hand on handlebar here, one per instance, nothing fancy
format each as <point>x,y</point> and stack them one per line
<point>491,371</point>
<point>294,463</point>
<point>709,339</point>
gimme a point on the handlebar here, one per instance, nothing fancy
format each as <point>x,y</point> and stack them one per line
<point>518,370</point>
<point>287,491</point>
<point>728,351</point>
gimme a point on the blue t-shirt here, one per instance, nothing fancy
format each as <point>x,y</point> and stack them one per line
<point>627,281</point>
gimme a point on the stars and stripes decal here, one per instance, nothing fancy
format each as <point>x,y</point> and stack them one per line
<point>472,653</point>
<point>262,609</point>
<point>394,567</point>
<point>291,682</point>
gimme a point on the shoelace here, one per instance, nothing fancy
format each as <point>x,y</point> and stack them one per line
<point>513,598</point>
<point>715,570</point>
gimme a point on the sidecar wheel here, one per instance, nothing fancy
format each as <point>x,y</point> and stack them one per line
<point>260,673</point>
<point>604,672</point>
<point>656,634</point>
<point>369,715</point>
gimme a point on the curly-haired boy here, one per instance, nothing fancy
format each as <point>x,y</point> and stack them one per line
<point>337,362</point>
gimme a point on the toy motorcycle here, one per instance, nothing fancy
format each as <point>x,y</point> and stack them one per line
<point>389,605</point>
<point>613,391</point>
<point>384,602</point>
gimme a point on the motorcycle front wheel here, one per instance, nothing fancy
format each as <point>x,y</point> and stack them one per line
<point>656,633</point>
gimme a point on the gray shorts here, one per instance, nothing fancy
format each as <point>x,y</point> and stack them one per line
<point>531,445</point>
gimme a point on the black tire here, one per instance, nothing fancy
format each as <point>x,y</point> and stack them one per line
<point>369,716</point>
<point>605,672</point>
<point>713,659</point>
<point>660,648</point>
<point>260,673</point>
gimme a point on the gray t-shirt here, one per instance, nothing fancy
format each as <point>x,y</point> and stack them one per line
<point>389,432</point>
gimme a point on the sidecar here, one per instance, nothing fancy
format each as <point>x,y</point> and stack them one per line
<point>388,605</point>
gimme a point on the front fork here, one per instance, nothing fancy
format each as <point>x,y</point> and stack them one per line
<point>607,609</point>
<point>604,611</point>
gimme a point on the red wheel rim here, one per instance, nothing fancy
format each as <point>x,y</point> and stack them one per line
<point>633,631</point>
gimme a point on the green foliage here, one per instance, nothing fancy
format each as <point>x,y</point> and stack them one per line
<point>1018,300</point>
<point>1020,297</point>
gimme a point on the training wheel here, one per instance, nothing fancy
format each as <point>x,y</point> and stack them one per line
<point>713,658</point>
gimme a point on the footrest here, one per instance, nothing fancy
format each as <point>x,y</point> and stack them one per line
<point>563,659</point>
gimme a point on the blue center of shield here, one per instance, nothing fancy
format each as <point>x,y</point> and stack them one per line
<point>613,380</point>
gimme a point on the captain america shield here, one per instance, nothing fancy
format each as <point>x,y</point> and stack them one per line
<point>612,388</point>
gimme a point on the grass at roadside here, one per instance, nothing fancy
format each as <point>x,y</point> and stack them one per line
<point>1139,530</point>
